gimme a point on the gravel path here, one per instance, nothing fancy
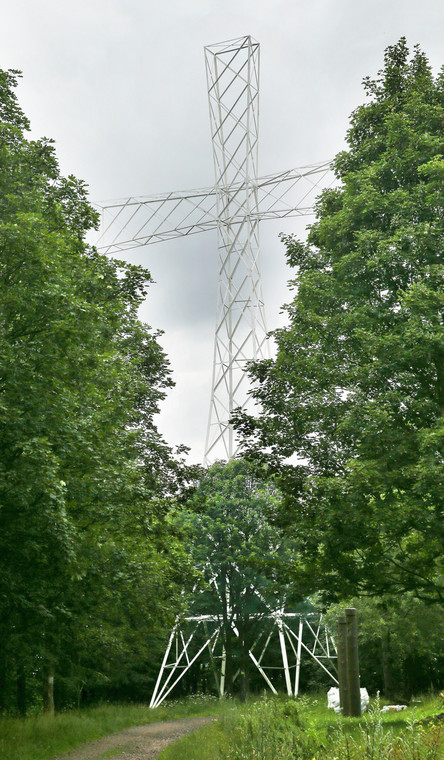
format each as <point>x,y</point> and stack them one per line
<point>138,742</point>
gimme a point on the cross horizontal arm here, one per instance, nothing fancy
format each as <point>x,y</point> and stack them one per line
<point>145,220</point>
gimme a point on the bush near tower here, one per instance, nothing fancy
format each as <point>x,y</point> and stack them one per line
<point>356,392</point>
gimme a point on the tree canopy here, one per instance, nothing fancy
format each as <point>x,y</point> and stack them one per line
<point>355,395</point>
<point>88,565</point>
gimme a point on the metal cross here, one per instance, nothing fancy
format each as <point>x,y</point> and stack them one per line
<point>235,205</point>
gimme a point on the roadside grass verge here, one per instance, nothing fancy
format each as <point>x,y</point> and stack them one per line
<point>41,737</point>
<point>282,729</point>
<point>208,743</point>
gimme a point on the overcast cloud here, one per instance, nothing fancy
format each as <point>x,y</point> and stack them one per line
<point>120,86</point>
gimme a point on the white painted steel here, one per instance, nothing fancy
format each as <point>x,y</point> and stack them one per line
<point>256,662</point>
<point>280,627</point>
<point>284,657</point>
<point>317,659</point>
<point>233,94</point>
<point>223,670</point>
<point>128,223</point>
<point>162,667</point>
<point>298,659</point>
<point>161,694</point>
<point>234,206</point>
<point>165,694</point>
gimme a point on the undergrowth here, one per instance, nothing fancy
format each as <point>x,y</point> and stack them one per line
<point>262,729</point>
<point>283,729</point>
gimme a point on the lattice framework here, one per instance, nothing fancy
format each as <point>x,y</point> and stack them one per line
<point>197,638</point>
<point>234,205</point>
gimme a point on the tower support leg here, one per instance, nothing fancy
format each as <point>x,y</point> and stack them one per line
<point>223,670</point>
<point>284,658</point>
<point>298,659</point>
<point>162,667</point>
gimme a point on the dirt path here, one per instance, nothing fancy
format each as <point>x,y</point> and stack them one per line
<point>137,743</point>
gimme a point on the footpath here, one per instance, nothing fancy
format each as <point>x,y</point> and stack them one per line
<point>138,742</point>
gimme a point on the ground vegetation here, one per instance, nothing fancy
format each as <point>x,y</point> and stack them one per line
<point>282,729</point>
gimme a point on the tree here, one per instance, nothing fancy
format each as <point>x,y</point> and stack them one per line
<point>85,478</point>
<point>237,549</point>
<point>356,392</point>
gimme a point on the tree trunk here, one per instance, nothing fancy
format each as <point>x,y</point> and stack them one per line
<point>80,694</point>
<point>229,662</point>
<point>387,671</point>
<point>48,695</point>
<point>245,672</point>
<point>21,691</point>
<point>408,670</point>
<point>3,672</point>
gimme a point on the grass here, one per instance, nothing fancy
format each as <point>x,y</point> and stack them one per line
<point>271,729</point>
<point>42,737</point>
<point>204,744</point>
<point>262,729</point>
<point>114,752</point>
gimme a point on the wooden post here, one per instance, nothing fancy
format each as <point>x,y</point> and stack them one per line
<point>342,667</point>
<point>353,662</point>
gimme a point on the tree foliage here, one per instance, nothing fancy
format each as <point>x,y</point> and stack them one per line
<point>88,566</point>
<point>232,540</point>
<point>356,393</point>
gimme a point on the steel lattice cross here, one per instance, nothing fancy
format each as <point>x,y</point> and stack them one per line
<point>200,637</point>
<point>235,205</point>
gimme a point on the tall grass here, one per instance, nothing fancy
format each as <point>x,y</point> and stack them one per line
<point>207,743</point>
<point>281,729</point>
<point>378,740</point>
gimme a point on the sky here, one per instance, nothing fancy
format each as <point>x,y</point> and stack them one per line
<point>120,86</point>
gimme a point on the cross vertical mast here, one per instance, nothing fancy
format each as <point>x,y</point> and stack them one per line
<point>233,91</point>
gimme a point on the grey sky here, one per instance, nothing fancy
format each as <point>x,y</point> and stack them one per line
<point>120,86</point>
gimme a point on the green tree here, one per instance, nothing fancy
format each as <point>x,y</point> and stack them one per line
<point>356,393</point>
<point>85,478</point>
<point>233,542</point>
